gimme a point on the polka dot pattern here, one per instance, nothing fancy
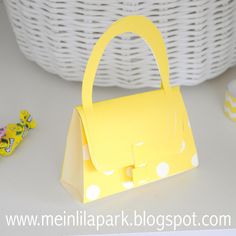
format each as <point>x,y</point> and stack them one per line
<point>162,169</point>
<point>128,184</point>
<point>122,179</point>
<point>109,172</point>
<point>93,192</point>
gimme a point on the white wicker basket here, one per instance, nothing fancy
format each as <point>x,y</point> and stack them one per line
<point>59,36</point>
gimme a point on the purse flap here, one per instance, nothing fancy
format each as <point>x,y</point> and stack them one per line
<point>152,121</point>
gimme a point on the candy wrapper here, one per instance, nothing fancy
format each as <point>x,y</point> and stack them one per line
<point>2,132</point>
<point>12,135</point>
<point>230,101</point>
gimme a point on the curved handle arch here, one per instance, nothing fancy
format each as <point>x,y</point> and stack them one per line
<point>139,25</point>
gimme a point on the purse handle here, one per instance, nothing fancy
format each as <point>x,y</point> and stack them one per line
<point>139,25</point>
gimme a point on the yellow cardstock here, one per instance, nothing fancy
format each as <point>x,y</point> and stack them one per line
<point>126,142</point>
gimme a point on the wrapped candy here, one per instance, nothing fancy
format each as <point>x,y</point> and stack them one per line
<point>13,134</point>
<point>2,132</point>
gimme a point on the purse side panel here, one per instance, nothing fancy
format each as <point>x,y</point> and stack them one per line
<point>72,170</point>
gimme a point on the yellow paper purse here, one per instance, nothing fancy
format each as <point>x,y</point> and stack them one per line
<point>126,142</point>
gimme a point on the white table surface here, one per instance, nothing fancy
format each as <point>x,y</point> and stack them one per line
<point>29,180</point>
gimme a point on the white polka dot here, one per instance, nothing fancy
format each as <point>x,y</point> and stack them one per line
<point>128,184</point>
<point>93,192</point>
<point>162,169</point>
<point>129,171</point>
<point>195,160</point>
<point>86,153</point>
<point>109,172</point>
<point>183,145</point>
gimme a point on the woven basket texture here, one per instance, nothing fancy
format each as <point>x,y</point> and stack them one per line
<point>200,37</point>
